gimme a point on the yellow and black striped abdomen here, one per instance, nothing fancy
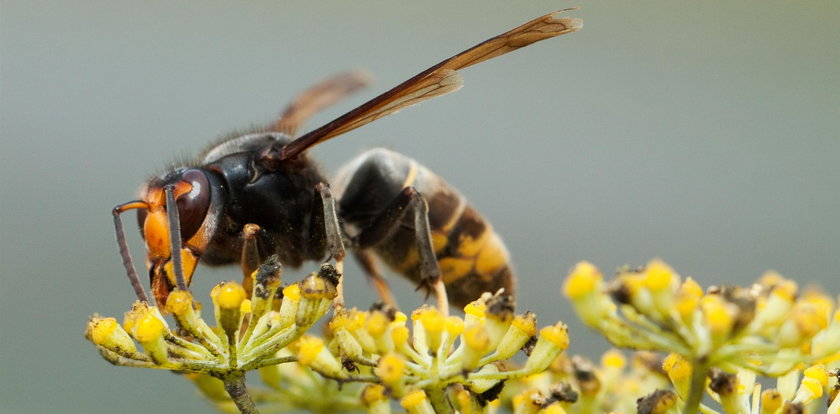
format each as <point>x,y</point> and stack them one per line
<point>472,257</point>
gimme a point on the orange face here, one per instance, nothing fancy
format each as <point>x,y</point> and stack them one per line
<point>192,198</point>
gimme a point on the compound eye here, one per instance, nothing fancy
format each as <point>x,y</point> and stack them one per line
<point>193,205</point>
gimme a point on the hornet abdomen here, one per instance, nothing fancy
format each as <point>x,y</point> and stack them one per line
<point>471,256</point>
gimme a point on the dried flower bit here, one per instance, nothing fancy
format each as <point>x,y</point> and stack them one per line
<point>317,290</point>
<point>585,376</point>
<point>267,279</point>
<point>659,402</point>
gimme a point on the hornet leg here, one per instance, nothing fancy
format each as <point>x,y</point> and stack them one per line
<point>368,263</point>
<point>388,221</point>
<point>250,259</point>
<point>326,228</point>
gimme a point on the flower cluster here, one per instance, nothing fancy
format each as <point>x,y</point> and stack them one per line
<point>576,385</point>
<point>693,343</point>
<point>719,339</point>
<point>247,336</point>
<point>443,363</point>
<point>428,362</point>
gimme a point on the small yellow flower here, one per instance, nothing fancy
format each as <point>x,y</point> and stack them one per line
<point>390,368</point>
<point>771,401</point>
<point>582,281</point>
<point>107,333</point>
<point>417,402</point>
<point>228,295</point>
<point>658,275</point>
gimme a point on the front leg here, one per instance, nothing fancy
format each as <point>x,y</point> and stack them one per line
<point>250,259</point>
<point>325,233</point>
<point>325,222</point>
<point>386,223</point>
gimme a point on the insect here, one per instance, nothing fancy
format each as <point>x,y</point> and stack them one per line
<point>259,194</point>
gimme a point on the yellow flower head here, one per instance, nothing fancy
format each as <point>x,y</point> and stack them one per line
<point>228,295</point>
<point>582,281</point>
<point>390,368</point>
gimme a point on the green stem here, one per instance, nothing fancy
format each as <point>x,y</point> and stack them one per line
<point>437,396</point>
<point>697,387</point>
<point>235,387</point>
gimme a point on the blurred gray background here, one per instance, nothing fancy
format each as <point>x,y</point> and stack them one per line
<point>706,134</point>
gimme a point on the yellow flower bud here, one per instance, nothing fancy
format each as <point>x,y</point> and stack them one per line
<point>107,333</point>
<point>718,317</point>
<point>658,275</point>
<point>818,373</point>
<point>228,295</point>
<point>416,402</point>
<point>179,302</point>
<point>377,323</point>
<point>582,281</point>
<point>613,359</point>
<point>399,335</point>
<point>373,393</point>
<point>308,348</point>
<point>292,292</point>
<point>390,368</point>
<point>552,341</point>
<point>148,328</point>
<point>454,326</point>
